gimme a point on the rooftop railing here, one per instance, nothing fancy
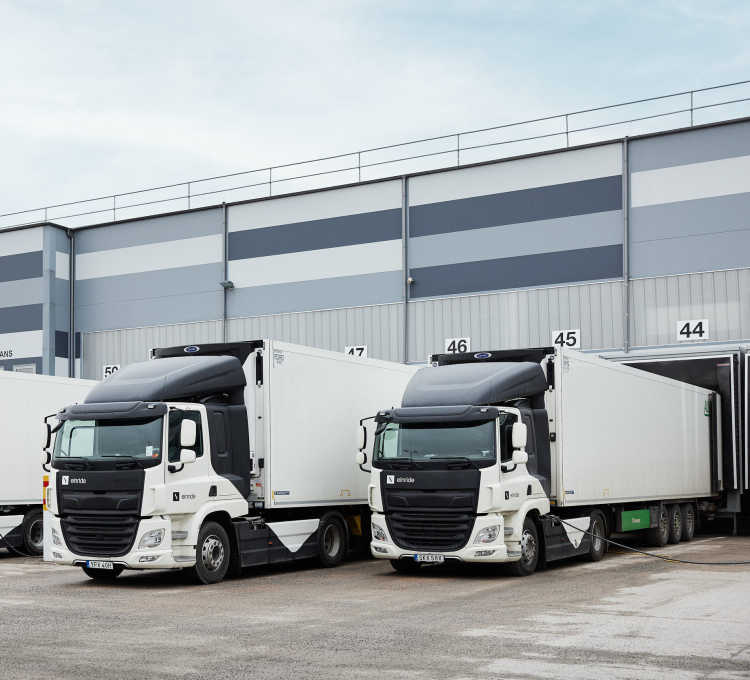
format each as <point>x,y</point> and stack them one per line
<point>639,116</point>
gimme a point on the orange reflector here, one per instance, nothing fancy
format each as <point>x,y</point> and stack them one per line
<point>45,484</point>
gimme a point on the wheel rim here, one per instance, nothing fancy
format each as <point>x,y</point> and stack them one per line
<point>212,553</point>
<point>36,534</point>
<point>331,540</point>
<point>597,536</point>
<point>677,524</point>
<point>664,522</point>
<point>689,520</point>
<point>528,547</point>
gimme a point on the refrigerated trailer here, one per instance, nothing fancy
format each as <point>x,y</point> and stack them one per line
<point>25,399</point>
<point>525,457</point>
<point>214,458</point>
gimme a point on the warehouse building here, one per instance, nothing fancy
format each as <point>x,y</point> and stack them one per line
<point>638,247</point>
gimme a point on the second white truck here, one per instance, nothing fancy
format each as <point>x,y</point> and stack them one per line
<point>214,458</point>
<point>525,457</point>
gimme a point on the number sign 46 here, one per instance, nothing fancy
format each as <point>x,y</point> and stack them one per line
<point>692,329</point>
<point>457,345</point>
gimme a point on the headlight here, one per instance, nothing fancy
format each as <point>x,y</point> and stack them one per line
<point>488,534</point>
<point>56,537</point>
<point>377,533</point>
<point>151,538</point>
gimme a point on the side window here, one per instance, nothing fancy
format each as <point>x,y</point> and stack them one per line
<point>506,436</point>
<point>175,422</point>
<point>218,433</point>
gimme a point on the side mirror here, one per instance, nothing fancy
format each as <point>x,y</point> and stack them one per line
<point>520,457</point>
<point>188,434</point>
<point>187,455</point>
<point>361,458</point>
<point>520,436</point>
<point>47,435</point>
<point>361,438</point>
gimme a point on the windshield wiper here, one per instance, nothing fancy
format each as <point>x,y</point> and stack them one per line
<point>125,457</point>
<point>78,460</point>
<point>462,459</point>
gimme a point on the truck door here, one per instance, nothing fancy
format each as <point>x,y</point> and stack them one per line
<point>188,484</point>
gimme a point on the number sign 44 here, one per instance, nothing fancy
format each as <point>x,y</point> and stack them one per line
<point>692,329</point>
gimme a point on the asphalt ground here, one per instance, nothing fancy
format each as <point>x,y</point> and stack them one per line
<point>625,617</point>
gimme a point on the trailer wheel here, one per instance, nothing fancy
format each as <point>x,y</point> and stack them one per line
<point>675,523</point>
<point>332,540</point>
<point>212,554</point>
<point>529,550</point>
<point>103,575</point>
<point>688,522</point>
<point>33,532</point>
<point>406,566</point>
<point>598,531</point>
<point>659,535</point>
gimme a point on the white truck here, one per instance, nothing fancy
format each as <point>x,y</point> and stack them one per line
<point>25,399</point>
<point>525,457</point>
<point>214,458</point>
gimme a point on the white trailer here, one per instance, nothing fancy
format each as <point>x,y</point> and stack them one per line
<point>214,458</point>
<point>528,456</point>
<point>25,399</point>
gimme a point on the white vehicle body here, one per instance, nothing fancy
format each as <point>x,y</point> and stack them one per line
<point>600,440</point>
<point>271,459</point>
<point>25,400</point>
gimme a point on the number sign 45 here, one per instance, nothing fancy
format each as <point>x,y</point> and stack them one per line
<point>692,329</point>
<point>570,337</point>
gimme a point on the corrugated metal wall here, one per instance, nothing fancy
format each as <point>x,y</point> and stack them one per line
<point>520,318</point>
<point>658,303</point>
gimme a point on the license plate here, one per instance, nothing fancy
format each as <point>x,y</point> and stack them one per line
<point>429,557</point>
<point>96,564</point>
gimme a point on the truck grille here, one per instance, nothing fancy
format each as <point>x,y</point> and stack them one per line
<point>100,534</point>
<point>439,531</point>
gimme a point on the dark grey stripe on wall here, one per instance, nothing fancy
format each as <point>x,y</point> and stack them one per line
<point>513,207</point>
<point>21,266</point>
<point>382,225</point>
<point>8,364</point>
<point>20,319</point>
<point>567,266</point>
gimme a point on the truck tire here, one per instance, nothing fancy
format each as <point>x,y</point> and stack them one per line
<point>103,575</point>
<point>33,532</point>
<point>332,539</point>
<point>212,554</point>
<point>659,535</point>
<point>406,566</point>
<point>598,531</point>
<point>675,523</point>
<point>688,522</point>
<point>529,550</point>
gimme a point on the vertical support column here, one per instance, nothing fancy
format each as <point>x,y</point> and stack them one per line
<point>72,304</point>
<point>626,242</point>
<point>225,288</point>
<point>405,261</point>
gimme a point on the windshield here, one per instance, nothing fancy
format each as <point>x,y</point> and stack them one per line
<point>92,442</point>
<point>470,444</point>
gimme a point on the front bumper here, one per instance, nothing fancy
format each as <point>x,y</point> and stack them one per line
<point>165,556</point>
<point>471,552</point>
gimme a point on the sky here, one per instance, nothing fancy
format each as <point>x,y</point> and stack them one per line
<point>103,97</point>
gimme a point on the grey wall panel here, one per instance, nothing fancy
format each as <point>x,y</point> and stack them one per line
<point>658,303</point>
<point>22,292</point>
<point>704,252</point>
<point>151,230</point>
<point>585,264</point>
<point>21,318</point>
<point>341,291</point>
<point>691,146</point>
<point>332,232</point>
<point>133,344</point>
<point>380,327</point>
<point>515,207</point>
<point>9,364</point>
<point>21,266</point>
<point>522,318</point>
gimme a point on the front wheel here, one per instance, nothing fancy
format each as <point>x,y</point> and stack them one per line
<point>103,575</point>
<point>212,554</point>
<point>529,551</point>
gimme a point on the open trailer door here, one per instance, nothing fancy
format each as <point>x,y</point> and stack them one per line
<point>723,374</point>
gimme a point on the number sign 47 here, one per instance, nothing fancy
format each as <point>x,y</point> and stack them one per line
<point>692,329</point>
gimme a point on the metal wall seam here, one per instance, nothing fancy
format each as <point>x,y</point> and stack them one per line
<point>405,265</point>
<point>626,243</point>
<point>72,311</point>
